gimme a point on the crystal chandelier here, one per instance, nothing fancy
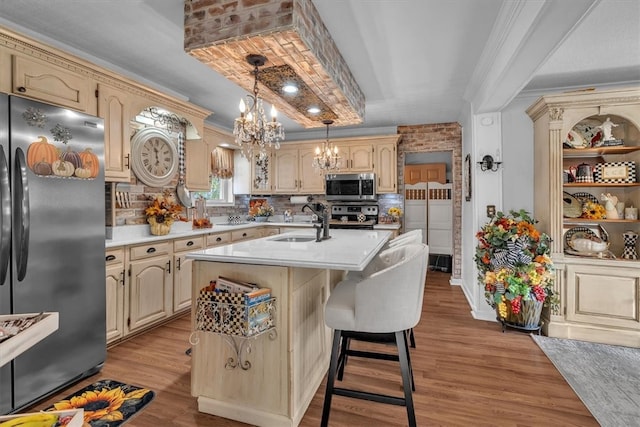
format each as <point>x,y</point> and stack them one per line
<point>252,130</point>
<point>327,157</point>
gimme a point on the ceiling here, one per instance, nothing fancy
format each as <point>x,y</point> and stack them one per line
<point>416,61</point>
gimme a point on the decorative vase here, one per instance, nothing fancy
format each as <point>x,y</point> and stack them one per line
<point>630,239</point>
<point>527,318</point>
<point>261,218</point>
<point>159,228</point>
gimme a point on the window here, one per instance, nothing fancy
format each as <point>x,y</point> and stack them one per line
<point>220,192</point>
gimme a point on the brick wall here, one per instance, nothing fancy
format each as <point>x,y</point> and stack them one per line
<point>438,137</point>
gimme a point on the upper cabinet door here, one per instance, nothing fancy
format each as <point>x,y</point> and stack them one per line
<point>54,85</point>
<point>385,167</point>
<point>311,182</point>
<point>113,107</point>
<point>286,170</point>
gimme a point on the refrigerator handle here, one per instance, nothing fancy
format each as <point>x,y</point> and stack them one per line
<point>21,214</point>
<point>5,217</point>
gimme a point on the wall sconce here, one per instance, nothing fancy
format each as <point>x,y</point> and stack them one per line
<point>488,164</point>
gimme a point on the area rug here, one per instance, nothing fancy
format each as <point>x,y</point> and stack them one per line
<point>605,377</point>
<point>107,403</point>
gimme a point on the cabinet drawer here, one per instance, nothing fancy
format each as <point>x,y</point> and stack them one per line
<point>249,233</point>
<point>218,239</point>
<point>114,256</point>
<point>150,250</point>
<point>188,244</point>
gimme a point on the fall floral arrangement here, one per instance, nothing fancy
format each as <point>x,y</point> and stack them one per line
<point>513,263</point>
<point>260,208</point>
<point>395,211</point>
<point>163,209</point>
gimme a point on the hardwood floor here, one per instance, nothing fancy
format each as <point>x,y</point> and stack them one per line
<point>467,373</point>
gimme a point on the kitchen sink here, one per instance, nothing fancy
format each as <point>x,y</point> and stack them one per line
<point>292,239</point>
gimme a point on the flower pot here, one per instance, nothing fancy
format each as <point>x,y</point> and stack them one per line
<point>261,218</point>
<point>159,228</point>
<point>527,318</point>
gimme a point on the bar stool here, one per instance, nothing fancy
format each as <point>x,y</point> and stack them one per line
<point>381,308</point>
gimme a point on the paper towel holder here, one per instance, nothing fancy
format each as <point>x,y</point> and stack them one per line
<point>300,199</point>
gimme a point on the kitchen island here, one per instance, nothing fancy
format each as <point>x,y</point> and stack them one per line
<point>273,384</point>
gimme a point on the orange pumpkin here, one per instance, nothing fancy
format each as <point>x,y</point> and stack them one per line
<point>41,151</point>
<point>90,161</point>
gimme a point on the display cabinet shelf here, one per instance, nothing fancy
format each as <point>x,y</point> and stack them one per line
<point>576,153</point>
<point>582,221</point>
<point>600,184</point>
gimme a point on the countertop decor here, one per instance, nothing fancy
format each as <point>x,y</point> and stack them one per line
<point>162,212</point>
<point>515,268</point>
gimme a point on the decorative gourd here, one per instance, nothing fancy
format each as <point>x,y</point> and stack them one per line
<point>90,161</point>
<point>42,168</point>
<point>72,157</point>
<point>41,151</point>
<point>83,173</point>
<point>63,168</point>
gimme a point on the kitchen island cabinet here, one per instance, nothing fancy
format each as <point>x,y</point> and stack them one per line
<point>286,367</point>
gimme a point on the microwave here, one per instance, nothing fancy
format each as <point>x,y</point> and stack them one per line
<point>350,186</point>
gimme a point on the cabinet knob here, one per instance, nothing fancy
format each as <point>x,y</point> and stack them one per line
<point>21,89</point>
<point>151,250</point>
<point>219,239</point>
<point>190,243</point>
<point>244,234</point>
<point>110,257</point>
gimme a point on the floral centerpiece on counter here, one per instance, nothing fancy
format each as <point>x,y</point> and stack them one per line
<point>260,209</point>
<point>515,268</point>
<point>162,212</point>
<point>394,212</point>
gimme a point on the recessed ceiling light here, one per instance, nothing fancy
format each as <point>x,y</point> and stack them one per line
<point>313,110</point>
<point>290,88</point>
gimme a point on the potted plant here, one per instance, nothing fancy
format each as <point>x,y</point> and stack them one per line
<point>515,268</point>
<point>161,213</point>
<point>260,210</point>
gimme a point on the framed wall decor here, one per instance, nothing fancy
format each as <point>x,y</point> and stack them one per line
<point>467,177</point>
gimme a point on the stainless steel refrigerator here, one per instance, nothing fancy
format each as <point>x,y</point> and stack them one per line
<point>52,235</point>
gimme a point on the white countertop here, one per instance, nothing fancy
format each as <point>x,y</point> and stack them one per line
<point>345,250</point>
<point>139,234</point>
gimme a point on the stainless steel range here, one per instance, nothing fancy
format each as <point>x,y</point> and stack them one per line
<point>354,216</point>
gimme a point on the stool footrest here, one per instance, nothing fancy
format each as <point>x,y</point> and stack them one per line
<point>372,355</point>
<point>374,397</point>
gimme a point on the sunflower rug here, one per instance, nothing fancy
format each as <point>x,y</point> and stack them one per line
<point>107,403</point>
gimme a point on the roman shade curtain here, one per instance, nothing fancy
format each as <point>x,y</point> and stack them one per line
<point>222,163</point>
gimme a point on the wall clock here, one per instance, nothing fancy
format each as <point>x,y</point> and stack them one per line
<point>154,157</point>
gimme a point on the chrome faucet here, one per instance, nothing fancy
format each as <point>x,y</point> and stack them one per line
<point>322,212</point>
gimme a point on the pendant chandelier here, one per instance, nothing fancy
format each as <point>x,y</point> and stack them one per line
<point>252,131</point>
<point>327,157</point>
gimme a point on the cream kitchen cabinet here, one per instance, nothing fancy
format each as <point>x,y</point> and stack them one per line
<point>113,107</point>
<point>286,171</point>
<point>115,289</point>
<point>294,171</point>
<point>182,271</point>
<point>310,180</point>
<point>217,239</point>
<point>356,157</point>
<point>598,295</point>
<point>51,84</point>
<point>386,167</point>
<point>150,296</point>
<point>245,234</point>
